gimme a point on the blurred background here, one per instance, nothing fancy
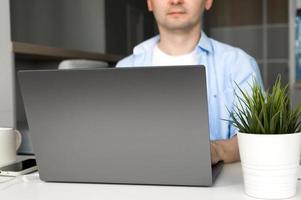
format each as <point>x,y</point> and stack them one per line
<point>260,27</point>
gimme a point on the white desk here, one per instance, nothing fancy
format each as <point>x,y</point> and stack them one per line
<point>229,185</point>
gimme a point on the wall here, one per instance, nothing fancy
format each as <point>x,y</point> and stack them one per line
<point>128,22</point>
<point>295,91</point>
<point>72,24</point>
<point>7,79</point>
<point>298,4</point>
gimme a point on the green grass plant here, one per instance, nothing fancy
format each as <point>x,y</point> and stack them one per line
<point>266,112</point>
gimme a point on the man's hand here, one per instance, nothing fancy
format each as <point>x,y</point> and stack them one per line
<point>224,150</point>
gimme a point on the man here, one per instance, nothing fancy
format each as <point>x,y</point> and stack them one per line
<point>182,42</point>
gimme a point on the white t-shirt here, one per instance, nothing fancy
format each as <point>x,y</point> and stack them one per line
<point>162,59</point>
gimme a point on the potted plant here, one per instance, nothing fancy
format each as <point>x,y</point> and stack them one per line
<point>269,141</point>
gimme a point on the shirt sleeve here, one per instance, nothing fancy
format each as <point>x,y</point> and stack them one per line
<point>125,62</point>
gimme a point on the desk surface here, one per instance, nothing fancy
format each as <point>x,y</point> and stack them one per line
<point>229,185</point>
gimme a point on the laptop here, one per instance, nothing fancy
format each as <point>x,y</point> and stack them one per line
<point>136,125</point>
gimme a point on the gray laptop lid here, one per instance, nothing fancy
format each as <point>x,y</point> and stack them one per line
<point>145,125</point>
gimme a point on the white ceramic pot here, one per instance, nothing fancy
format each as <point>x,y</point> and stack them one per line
<point>270,164</point>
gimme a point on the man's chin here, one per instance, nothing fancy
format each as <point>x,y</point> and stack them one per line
<point>179,27</point>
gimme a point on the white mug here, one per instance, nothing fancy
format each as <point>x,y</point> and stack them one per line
<point>10,141</point>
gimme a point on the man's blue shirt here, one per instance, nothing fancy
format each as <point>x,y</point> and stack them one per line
<point>225,66</point>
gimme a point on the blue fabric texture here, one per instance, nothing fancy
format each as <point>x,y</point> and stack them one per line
<point>225,66</point>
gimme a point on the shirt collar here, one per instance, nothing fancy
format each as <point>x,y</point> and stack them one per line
<point>146,45</point>
<point>204,43</point>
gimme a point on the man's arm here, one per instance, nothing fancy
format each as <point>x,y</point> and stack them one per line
<point>225,150</point>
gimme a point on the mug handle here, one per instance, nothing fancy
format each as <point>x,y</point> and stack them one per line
<point>18,139</point>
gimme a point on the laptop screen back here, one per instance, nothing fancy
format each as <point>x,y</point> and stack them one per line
<point>145,125</point>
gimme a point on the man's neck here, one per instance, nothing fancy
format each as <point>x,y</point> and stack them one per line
<point>179,43</point>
